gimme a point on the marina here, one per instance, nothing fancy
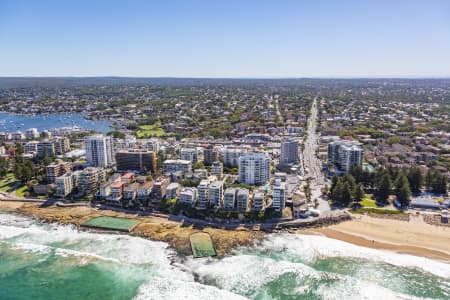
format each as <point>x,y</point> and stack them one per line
<point>52,122</point>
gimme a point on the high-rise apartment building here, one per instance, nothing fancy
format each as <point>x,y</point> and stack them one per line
<point>343,154</point>
<point>254,168</point>
<point>289,151</point>
<point>99,151</point>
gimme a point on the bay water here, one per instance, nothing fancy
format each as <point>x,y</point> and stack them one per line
<point>12,122</point>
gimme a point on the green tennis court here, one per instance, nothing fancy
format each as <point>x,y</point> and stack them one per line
<point>202,245</point>
<point>114,223</point>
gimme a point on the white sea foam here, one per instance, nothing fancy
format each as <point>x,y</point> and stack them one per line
<point>354,289</point>
<point>244,274</point>
<point>67,242</point>
<point>248,274</point>
<point>40,249</point>
<point>161,288</point>
<point>310,247</point>
<point>70,241</point>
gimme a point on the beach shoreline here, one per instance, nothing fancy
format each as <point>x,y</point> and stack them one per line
<point>414,237</point>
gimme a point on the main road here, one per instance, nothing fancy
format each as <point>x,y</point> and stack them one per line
<point>311,164</point>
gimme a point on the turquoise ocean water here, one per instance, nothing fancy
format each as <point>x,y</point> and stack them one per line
<point>49,261</point>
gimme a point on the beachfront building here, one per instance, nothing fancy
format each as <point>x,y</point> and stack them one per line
<point>242,197</point>
<point>159,189</point>
<point>202,194</point>
<point>258,202</point>
<point>56,169</point>
<point>65,184</point>
<point>144,189</point>
<point>173,190</point>
<point>279,195</point>
<point>130,191</point>
<point>343,154</point>
<point>229,198</point>
<point>99,150</point>
<point>116,191</point>
<point>188,195</point>
<point>215,193</point>
<point>90,179</point>
<point>254,168</point>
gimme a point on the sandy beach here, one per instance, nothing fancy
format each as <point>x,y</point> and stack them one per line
<point>411,237</point>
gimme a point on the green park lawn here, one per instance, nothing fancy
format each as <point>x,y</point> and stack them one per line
<point>368,201</point>
<point>375,210</point>
<point>20,191</point>
<point>7,183</point>
<point>154,130</point>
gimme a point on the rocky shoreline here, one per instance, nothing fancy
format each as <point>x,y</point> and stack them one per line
<point>152,227</point>
<point>159,228</point>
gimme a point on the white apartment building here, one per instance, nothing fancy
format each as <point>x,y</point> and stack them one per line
<point>202,194</point>
<point>173,190</point>
<point>99,150</point>
<point>279,195</point>
<point>31,147</point>
<point>188,195</point>
<point>190,154</point>
<point>343,154</point>
<point>217,169</point>
<point>215,193</point>
<point>229,199</point>
<point>175,165</point>
<point>242,196</point>
<point>258,202</point>
<point>32,133</point>
<point>231,156</point>
<point>254,168</point>
<point>65,184</point>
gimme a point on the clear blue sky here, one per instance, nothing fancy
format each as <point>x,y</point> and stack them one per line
<point>227,38</point>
